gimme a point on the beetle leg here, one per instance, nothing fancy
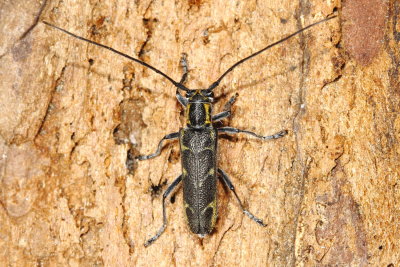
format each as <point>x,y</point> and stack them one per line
<point>227,109</point>
<point>232,130</point>
<point>229,184</point>
<point>158,151</point>
<point>185,67</point>
<point>165,195</point>
<point>183,100</point>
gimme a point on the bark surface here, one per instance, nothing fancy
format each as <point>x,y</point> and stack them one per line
<point>74,115</point>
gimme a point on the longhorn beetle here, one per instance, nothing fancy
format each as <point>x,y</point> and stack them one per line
<point>198,145</point>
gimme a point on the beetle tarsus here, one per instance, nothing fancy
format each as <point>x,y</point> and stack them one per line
<point>276,136</point>
<point>254,218</point>
<point>228,183</point>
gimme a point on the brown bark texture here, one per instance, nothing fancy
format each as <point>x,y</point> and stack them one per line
<point>73,117</point>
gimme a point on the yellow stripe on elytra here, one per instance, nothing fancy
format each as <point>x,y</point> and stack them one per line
<point>186,205</point>
<point>212,205</point>
<point>183,147</point>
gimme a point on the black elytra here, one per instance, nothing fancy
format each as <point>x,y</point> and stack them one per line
<point>198,145</point>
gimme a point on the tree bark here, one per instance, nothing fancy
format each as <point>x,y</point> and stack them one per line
<point>75,115</point>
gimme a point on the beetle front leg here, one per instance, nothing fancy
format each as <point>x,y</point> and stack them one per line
<point>158,151</point>
<point>165,195</point>
<point>185,67</point>
<point>227,109</point>
<point>229,184</point>
<point>232,130</point>
<point>183,100</point>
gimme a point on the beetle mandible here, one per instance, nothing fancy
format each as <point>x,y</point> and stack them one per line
<point>198,145</point>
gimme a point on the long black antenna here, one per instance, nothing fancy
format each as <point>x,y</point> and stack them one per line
<point>177,84</point>
<point>216,83</point>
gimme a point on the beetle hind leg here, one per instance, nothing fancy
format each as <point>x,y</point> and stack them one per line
<point>165,195</point>
<point>229,184</point>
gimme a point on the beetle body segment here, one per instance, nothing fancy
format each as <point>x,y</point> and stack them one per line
<point>199,176</point>
<point>198,110</point>
<point>198,144</point>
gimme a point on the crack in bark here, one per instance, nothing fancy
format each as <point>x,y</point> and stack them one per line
<point>147,25</point>
<point>35,22</point>
<point>334,80</point>
<point>296,129</point>
<point>219,243</point>
<point>125,217</point>
<point>48,107</point>
<point>305,165</point>
<point>30,28</point>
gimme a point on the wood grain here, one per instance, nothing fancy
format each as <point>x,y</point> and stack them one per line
<point>72,113</point>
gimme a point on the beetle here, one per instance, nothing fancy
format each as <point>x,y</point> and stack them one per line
<point>198,145</point>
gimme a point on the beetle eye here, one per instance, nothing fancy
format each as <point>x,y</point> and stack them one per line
<point>207,93</point>
<point>189,94</point>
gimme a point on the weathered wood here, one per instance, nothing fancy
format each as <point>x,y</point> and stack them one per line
<point>71,112</point>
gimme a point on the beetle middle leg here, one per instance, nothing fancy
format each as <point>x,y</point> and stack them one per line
<point>232,130</point>
<point>229,184</point>
<point>158,151</point>
<point>165,195</point>
<point>227,109</point>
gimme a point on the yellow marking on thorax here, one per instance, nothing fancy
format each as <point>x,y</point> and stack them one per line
<point>187,113</point>
<point>207,108</point>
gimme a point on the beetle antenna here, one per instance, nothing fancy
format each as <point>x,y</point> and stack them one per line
<point>177,84</point>
<point>216,83</point>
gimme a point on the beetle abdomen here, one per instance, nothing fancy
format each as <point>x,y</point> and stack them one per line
<point>198,154</point>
